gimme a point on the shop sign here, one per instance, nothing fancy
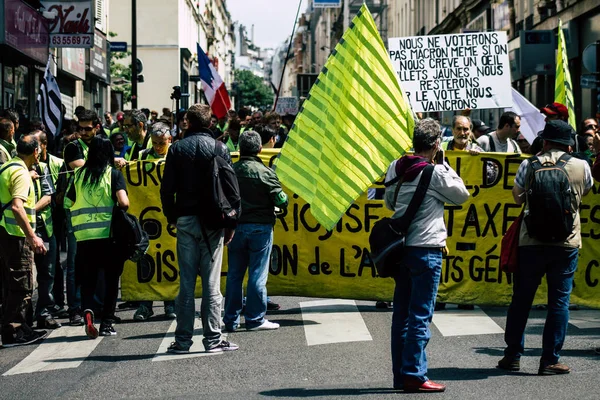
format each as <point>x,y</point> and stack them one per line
<point>73,23</point>
<point>98,57</point>
<point>25,30</point>
<point>72,61</point>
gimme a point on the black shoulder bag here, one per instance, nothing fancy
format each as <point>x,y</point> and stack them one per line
<point>388,236</point>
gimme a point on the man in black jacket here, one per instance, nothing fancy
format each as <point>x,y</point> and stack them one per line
<point>186,201</point>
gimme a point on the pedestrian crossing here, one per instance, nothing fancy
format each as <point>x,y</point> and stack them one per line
<point>324,322</point>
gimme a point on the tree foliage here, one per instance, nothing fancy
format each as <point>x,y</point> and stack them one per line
<point>251,90</point>
<point>120,73</point>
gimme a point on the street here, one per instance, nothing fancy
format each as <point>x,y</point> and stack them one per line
<point>325,349</point>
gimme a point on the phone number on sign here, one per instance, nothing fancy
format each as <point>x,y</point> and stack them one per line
<point>71,40</point>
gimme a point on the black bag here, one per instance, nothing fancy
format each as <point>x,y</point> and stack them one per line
<point>224,201</point>
<point>129,239</point>
<point>551,202</point>
<point>5,206</point>
<point>388,235</point>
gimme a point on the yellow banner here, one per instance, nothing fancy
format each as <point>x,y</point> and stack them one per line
<point>309,261</point>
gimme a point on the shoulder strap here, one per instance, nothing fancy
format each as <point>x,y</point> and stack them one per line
<point>492,144</point>
<point>4,168</point>
<point>8,165</point>
<point>401,224</point>
<point>515,146</point>
<point>563,160</point>
<point>534,163</point>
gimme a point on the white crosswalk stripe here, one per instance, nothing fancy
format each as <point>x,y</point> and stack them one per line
<point>197,349</point>
<point>324,321</point>
<point>465,322</point>
<point>66,347</point>
<point>333,321</point>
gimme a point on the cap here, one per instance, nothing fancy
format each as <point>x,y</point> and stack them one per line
<point>479,125</point>
<point>555,109</point>
<point>120,116</point>
<point>558,131</point>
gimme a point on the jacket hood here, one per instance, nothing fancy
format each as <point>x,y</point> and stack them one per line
<point>411,166</point>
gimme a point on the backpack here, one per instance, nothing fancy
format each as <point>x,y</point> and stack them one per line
<point>550,200</point>
<point>224,201</point>
<point>5,206</point>
<point>388,235</point>
<point>129,239</point>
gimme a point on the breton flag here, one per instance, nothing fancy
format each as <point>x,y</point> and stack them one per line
<point>353,124</point>
<point>213,86</point>
<point>49,102</point>
<point>563,89</point>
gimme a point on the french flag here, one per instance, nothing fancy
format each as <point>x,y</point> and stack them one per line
<point>213,86</point>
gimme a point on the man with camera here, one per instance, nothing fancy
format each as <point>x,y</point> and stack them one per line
<point>419,270</point>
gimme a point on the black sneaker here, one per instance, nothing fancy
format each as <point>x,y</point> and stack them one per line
<point>128,305</point>
<point>383,304</point>
<point>23,340</point>
<point>223,346</point>
<point>177,349</point>
<point>75,318</point>
<point>48,323</point>
<point>90,329</point>
<point>509,364</point>
<point>272,306</point>
<point>106,329</point>
<point>59,312</point>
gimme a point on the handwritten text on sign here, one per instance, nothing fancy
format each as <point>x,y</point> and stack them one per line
<point>453,72</point>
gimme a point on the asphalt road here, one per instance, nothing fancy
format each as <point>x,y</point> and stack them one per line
<point>282,365</point>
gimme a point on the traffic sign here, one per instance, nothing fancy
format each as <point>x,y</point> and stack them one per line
<point>118,47</point>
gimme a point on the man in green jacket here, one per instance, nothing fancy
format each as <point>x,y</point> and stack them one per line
<point>250,248</point>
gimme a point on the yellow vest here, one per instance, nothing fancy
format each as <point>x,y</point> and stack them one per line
<point>55,164</point>
<point>46,213</point>
<point>8,219</point>
<point>91,214</point>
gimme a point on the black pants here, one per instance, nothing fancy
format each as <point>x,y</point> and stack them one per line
<point>58,290</point>
<point>93,256</point>
<point>16,267</point>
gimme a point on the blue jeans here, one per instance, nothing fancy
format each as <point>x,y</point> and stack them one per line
<point>559,265</point>
<point>45,265</point>
<point>195,259</point>
<point>414,300</point>
<point>250,249</point>
<point>73,289</point>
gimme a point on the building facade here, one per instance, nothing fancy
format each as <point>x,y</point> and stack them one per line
<point>169,53</point>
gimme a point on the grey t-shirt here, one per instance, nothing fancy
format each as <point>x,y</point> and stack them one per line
<point>509,147</point>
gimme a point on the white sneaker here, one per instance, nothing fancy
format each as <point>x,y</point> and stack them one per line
<point>265,326</point>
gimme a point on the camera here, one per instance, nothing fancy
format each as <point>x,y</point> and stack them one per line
<point>177,95</point>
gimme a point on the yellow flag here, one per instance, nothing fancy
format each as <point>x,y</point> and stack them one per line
<point>353,124</point>
<point>563,90</point>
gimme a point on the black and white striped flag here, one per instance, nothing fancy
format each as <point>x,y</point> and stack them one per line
<point>49,102</point>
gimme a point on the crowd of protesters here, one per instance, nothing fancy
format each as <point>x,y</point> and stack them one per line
<point>58,193</point>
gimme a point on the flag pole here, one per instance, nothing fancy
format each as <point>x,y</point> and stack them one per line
<point>286,56</point>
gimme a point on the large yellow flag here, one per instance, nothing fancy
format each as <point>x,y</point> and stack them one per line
<point>563,90</point>
<point>353,124</point>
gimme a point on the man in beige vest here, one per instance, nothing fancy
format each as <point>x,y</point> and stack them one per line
<point>538,255</point>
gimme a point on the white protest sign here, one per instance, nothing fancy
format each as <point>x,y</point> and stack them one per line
<point>287,105</point>
<point>453,72</point>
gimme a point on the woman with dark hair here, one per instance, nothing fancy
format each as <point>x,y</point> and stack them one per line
<point>97,187</point>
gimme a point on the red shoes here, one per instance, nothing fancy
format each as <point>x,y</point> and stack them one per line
<point>415,385</point>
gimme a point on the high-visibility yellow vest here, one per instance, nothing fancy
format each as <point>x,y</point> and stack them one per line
<point>231,146</point>
<point>55,164</point>
<point>146,144</point>
<point>46,213</point>
<point>8,219</point>
<point>67,203</point>
<point>91,214</point>
<point>3,150</point>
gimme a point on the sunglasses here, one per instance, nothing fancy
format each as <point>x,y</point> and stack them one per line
<point>591,126</point>
<point>85,128</point>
